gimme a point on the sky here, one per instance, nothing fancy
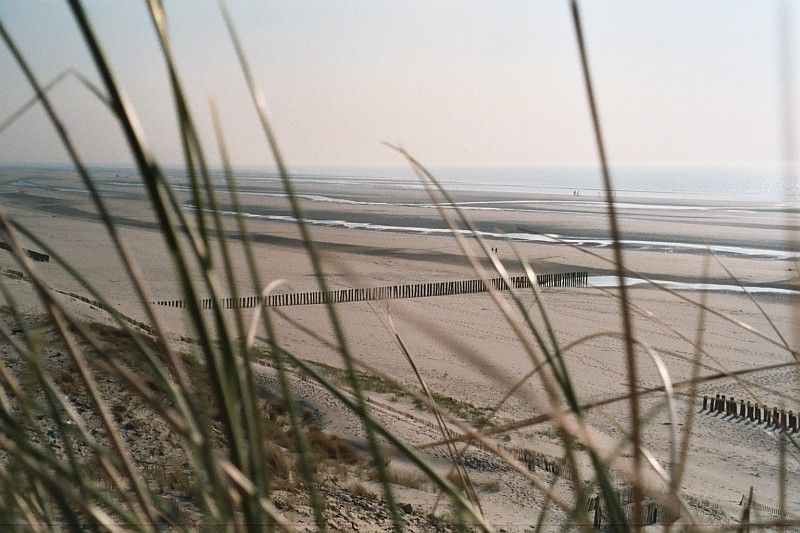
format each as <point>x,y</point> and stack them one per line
<point>457,83</point>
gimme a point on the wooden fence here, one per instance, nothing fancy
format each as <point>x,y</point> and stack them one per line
<point>653,511</point>
<point>36,256</point>
<point>772,417</point>
<point>532,460</point>
<point>416,290</point>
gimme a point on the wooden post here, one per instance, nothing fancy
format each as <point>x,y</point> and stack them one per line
<point>750,414</point>
<point>742,409</point>
<point>705,402</point>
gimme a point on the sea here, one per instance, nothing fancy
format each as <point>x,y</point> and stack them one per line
<point>727,183</point>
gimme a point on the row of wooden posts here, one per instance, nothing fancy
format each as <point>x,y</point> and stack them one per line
<point>36,256</point>
<point>772,417</point>
<point>758,506</point>
<point>533,460</point>
<point>104,307</point>
<point>415,290</point>
<point>653,511</point>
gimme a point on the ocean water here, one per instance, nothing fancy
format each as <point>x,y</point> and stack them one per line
<point>726,183</point>
<point>613,281</point>
<point>731,183</point>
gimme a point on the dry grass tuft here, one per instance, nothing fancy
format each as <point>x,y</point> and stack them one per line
<point>333,447</point>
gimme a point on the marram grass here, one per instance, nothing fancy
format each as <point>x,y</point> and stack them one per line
<point>226,457</point>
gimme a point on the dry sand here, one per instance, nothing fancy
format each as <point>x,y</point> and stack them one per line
<point>462,345</point>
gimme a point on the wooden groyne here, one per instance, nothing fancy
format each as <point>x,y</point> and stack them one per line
<point>771,417</point>
<point>36,256</point>
<point>415,290</point>
<point>145,327</point>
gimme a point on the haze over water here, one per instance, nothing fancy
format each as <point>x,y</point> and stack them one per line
<point>729,183</point>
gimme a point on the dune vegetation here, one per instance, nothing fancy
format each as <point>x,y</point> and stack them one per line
<point>126,423</point>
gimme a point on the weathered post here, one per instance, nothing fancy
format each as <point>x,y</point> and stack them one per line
<point>784,424</point>
<point>750,414</point>
<point>705,402</point>
<point>776,422</point>
<point>742,409</point>
<point>721,404</point>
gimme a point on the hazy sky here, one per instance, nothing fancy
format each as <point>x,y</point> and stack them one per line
<point>457,83</point>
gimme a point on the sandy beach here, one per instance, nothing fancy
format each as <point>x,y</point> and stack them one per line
<point>393,234</point>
